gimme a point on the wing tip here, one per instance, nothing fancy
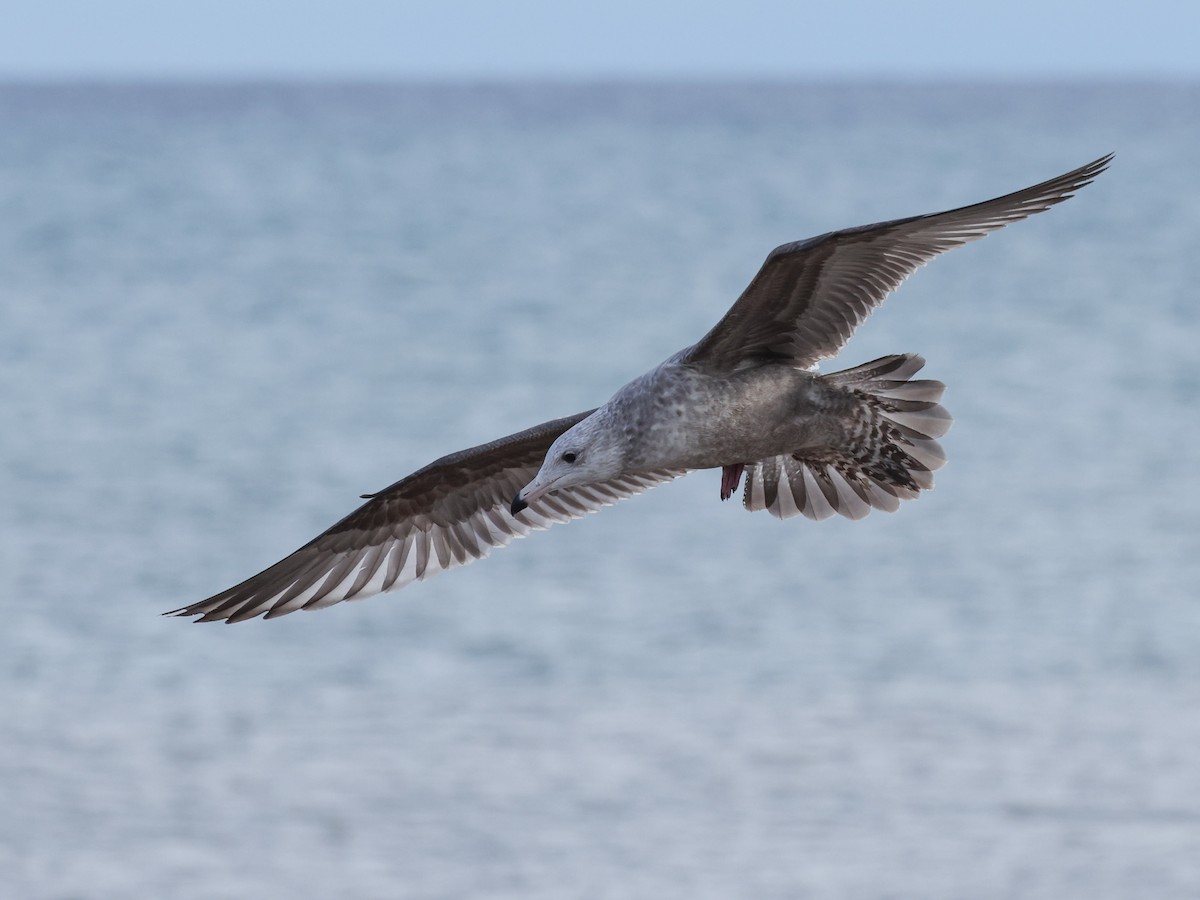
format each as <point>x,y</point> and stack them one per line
<point>1065,186</point>
<point>1085,174</point>
<point>183,612</point>
<point>210,610</point>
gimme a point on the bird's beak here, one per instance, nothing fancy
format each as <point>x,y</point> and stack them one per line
<point>530,494</point>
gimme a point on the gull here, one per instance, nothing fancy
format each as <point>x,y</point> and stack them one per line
<point>745,399</point>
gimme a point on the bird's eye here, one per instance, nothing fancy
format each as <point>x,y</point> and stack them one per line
<point>568,457</point>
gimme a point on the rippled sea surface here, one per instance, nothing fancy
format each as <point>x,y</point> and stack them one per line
<point>225,312</point>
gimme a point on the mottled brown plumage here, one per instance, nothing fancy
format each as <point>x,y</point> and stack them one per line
<point>741,398</point>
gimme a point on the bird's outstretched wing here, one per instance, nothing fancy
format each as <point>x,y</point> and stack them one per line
<point>809,296</point>
<point>450,513</point>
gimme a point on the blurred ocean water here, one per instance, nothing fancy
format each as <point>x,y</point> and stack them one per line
<point>227,311</point>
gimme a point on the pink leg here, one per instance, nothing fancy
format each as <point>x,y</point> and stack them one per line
<point>730,476</point>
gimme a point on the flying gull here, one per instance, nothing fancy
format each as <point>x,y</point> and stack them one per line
<point>745,399</point>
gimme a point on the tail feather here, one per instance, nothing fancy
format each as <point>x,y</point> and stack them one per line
<point>890,454</point>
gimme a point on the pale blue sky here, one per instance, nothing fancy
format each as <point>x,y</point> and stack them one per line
<point>617,38</point>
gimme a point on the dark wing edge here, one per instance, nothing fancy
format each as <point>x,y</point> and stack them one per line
<point>810,296</point>
<point>450,513</point>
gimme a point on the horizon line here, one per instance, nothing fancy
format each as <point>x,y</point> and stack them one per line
<point>698,78</point>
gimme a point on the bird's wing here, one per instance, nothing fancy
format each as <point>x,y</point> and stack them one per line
<point>809,296</point>
<point>450,513</point>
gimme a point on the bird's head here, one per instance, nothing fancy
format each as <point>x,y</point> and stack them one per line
<point>586,453</point>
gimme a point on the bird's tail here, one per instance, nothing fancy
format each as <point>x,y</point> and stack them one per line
<point>890,454</point>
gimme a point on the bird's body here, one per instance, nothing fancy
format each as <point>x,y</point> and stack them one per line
<point>774,418</point>
<point>744,399</point>
<point>677,416</point>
